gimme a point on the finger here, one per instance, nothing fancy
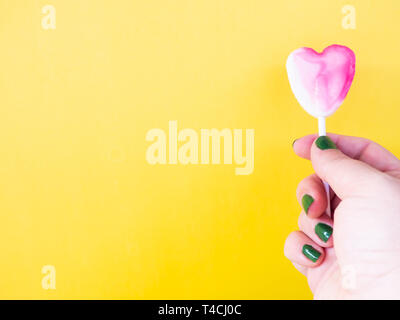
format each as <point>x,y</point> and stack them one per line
<point>312,196</point>
<point>354,147</point>
<point>319,230</point>
<point>346,176</point>
<point>302,250</point>
<point>300,268</point>
<point>314,275</point>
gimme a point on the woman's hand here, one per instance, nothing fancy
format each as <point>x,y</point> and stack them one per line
<point>356,253</point>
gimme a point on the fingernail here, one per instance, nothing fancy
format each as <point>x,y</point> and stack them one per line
<point>324,142</point>
<point>307,201</point>
<point>323,231</point>
<point>311,253</point>
<point>294,142</point>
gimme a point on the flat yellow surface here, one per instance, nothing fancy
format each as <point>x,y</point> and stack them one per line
<point>76,102</point>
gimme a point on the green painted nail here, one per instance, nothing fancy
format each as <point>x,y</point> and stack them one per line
<point>307,201</point>
<point>294,142</point>
<point>311,253</point>
<point>323,231</point>
<point>324,142</point>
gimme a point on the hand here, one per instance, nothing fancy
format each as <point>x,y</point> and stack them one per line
<point>356,253</point>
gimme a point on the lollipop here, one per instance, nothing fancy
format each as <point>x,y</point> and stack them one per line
<point>320,81</point>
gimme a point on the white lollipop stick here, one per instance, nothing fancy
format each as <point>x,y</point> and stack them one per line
<point>322,132</point>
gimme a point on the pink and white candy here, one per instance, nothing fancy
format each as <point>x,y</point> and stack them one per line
<point>320,81</point>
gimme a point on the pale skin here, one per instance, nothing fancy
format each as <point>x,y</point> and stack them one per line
<point>361,259</point>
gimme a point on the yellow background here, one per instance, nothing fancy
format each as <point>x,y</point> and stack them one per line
<point>75,104</point>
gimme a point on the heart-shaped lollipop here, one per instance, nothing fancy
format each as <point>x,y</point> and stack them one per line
<point>320,81</point>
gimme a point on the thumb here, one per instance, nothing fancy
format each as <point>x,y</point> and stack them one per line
<point>346,176</point>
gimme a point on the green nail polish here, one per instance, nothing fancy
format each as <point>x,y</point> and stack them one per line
<point>323,231</point>
<point>324,143</point>
<point>294,141</point>
<point>311,253</point>
<point>307,201</point>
